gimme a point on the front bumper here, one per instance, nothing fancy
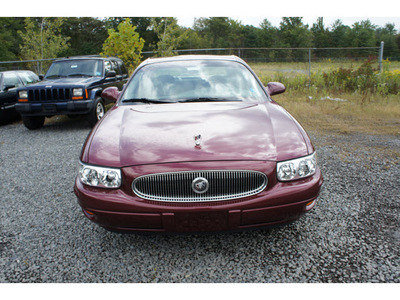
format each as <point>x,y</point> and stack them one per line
<point>51,108</point>
<point>121,210</point>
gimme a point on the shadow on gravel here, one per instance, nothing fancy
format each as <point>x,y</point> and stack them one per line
<point>63,123</point>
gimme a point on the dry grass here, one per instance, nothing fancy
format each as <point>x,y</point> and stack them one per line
<point>292,69</point>
<point>359,113</point>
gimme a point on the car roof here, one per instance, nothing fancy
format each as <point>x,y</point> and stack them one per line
<point>86,57</point>
<point>15,71</point>
<point>193,57</point>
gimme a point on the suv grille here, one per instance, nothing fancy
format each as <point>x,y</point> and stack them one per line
<point>179,186</point>
<point>49,94</point>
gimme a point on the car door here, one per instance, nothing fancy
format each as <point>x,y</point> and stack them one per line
<point>8,89</point>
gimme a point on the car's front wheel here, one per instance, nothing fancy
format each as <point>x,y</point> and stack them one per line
<point>97,113</point>
<point>33,123</point>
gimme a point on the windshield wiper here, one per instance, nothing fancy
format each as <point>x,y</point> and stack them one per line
<point>78,74</point>
<point>208,99</point>
<point>144,100</point>
<point>55,76</point>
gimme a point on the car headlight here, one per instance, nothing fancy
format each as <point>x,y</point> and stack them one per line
<point>297,168</point>
<point>100,176</point>
<point>77,92</point>
<point>23,94</point>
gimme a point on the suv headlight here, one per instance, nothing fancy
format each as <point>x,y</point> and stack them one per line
<point>297,168</point>
<point>100,176</point>
<point>23,94</point>
<point>77,92</point>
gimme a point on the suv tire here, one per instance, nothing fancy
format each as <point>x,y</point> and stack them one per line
<point>98,112</point>
<point>33,123</point>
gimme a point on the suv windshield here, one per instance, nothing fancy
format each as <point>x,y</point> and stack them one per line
<point>76,67</point>
<point>194,80</point>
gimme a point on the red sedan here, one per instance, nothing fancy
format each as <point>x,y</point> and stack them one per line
<point>195,143</point>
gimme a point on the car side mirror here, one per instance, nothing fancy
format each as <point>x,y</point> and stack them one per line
<point>111,74</point>
<point>110,94</point>
<point>9,86</point>
<point>275,88</point>
<point>41,76</point>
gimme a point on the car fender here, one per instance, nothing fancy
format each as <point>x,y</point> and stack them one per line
<point>94,93</point>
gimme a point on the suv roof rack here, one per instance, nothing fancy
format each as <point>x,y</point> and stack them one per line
<point>78,56</point>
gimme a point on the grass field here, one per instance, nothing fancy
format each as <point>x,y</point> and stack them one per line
<point>325,109</point>
<point>293,69</point>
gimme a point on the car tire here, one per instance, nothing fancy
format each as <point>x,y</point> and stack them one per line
<point>98,112</point>
<point>33,123</point>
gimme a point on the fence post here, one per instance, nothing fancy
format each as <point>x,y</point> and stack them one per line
<point>309,68</point>
<point>381,57</point>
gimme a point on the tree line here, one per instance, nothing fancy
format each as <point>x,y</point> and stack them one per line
<point>36,38</point>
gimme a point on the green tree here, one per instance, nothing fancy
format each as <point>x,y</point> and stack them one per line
<point>320,34</point>
<point>124,43</point>
<point>220,32</point>
<point>268,35</point>
<point>87,35</point>
<point>339,34</point>
<point>169,35</point>
<point>142,24</point>
<point>42,39</point>
<point>9,40</point>
<point>294,33</point>
<point>387,34</point>
<point>362,34</point>
<point>193,40</point>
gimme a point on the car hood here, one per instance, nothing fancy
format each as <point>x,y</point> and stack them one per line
<point>164,133</point>
<point>64,81</point>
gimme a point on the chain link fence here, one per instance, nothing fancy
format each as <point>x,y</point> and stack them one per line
<point>285,60</point>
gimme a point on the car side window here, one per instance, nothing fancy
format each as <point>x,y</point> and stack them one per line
<point>28,77</point>
<point>11,79</point>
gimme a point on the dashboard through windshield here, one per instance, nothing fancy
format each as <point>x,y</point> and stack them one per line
<point>193,81</point>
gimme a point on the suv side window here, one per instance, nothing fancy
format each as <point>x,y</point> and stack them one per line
<point>107,66</point>
<point>123,69</point>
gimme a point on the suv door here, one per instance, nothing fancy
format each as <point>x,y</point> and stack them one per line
<point>111,65</point>
<point>122,68</point>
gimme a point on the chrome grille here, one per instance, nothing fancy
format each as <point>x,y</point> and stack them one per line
<point>177,186</point>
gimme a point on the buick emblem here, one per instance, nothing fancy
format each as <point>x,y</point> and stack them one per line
<point>197,140</point>
<point>200,185</point>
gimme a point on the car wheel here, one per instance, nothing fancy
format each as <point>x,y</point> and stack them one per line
<point>33,123</point>
<point>98,112</point>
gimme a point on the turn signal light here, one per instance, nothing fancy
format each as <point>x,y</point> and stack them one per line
<point>310,205</point>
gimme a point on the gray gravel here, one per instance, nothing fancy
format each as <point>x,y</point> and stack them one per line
<point>352,235</point>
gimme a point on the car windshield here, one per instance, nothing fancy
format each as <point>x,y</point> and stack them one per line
<point>193,81</point>
<point>76,67</point>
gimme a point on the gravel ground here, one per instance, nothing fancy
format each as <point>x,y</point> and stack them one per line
<point>352,235</point>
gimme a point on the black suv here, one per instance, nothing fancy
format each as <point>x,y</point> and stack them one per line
<point>71,86</point>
